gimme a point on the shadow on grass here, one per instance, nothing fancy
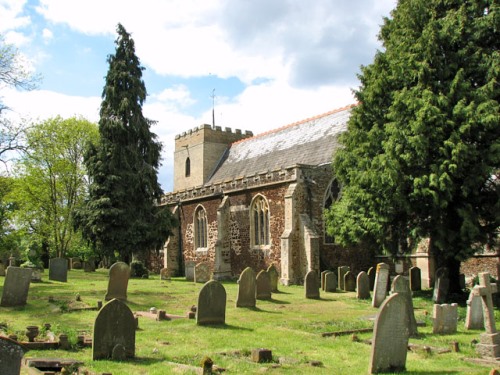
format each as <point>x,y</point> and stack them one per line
<point>228,327</point>
<point>277,301</point>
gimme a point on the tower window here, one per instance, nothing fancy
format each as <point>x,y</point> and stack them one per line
<point>188,167</point>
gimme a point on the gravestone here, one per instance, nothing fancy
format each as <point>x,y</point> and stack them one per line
<point>11,354</point>
<point>401,286</point>
<point>164,274</point>
<point>75,263</point>
<point>371,276</point>
<point>58,269</point>
<point>211,308</point>
<point>390,336</point>
<point>2,269</point>
<point>119,273</point>
<point>330,282</point>
<point>474,318</point>
<point>341,271</point>
<point>323,274</point>
<point>89,265</point>
<point>114,332</point>
<point>16,286</point>
<point>273,277</point>
<point>202,272</point>
<point>263,286</point>
<point>380,287</point>
<point>189,270</point>
<point>445,318</point>
<point>349,282</point>
<point>246,289</point>
<point>441,285</point>
<point>362,286</point>
<point>311,285</point>
<point>415,279</point>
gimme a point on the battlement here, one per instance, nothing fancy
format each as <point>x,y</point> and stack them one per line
<point>216,129</point>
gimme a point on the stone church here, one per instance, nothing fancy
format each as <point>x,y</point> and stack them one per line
<point>245,200</point>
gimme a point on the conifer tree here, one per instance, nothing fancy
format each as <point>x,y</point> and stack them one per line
<point>422,152</point>
<point>122,215</point>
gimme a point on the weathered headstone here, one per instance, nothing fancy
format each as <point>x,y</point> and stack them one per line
<point>119,273</point>
<point>330,282</point>
<point>202,272</point>
<point>16,286</point>
<point>164,274</point>
<point>474,318</point>
<point>349,282</point>
<point>401,286</point>
<point>380,287</point>
<point>2,269</point>
<point>273,277</point>
<point>263,286</point>
<point>445,317</point>
<point>441,285</point>
<point>211,308</point>
<point>390,336</point>
<point>323,274</point>
<point>58,269</point>
<point>311,285</point>
<point>371,276</point>
<point>362,286</point>
<point>246,289</point>
<point>114,332</point>
<point>89,265</point>
<point>75,263</point>
<point>189,270</point>
<point>341,271</point>
<point>415,279</point>
<point>11,354</point>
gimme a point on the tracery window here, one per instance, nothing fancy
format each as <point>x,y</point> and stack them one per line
<point>331,196</point>
<point>200,228</point>
<point>259,221</point>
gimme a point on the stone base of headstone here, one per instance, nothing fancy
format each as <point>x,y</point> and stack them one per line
<point>262,355</point>
<point>489,345</point>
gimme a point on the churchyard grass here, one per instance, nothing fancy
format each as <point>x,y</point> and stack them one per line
<point>288,324</point>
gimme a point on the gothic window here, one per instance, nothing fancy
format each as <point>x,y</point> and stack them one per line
<point>200,228</point>
<point>188,167</point>
<point>259,221</point>
<point>331,196</point>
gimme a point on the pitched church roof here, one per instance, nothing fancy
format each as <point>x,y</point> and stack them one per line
<point>308,142</point>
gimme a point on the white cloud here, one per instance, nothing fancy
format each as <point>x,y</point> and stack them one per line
<point>10,14</point>
<point>47,35</point>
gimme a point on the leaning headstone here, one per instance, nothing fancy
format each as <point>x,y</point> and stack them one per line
<point>202,272</point>
<point>311,285</point>
<point>58,269</point>
<point>415,279</point>
<point>273,277</point>
<point>474,318</point>
<point>362,286</point>
<point>263,286</point>
<point>349,282</point>
<point>330,282</point>
<point>390,336</point>
<point>11,354</point>
<point>341,271</point>
<point>401,286</point>
<point>445,317</point>
<point>441,285</point>
<point>211,308</point>
<point>189,270</point>
<point>119,273</point>
<point>16,286</point>
<point>114,332</point>
<point>246,289</point>
<point>380,287</point>
<point>371,276</point>
<point>2,269</point>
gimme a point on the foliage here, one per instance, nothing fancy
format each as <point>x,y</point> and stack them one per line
<point>9,236</point>
<point>51,181</point>
<point>137,269</point>
<point>122,213</point>
<point>422,151</point>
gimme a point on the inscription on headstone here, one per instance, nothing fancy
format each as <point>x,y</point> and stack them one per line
<point>11,354</point>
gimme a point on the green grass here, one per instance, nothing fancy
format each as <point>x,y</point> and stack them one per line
<point>289,325</point>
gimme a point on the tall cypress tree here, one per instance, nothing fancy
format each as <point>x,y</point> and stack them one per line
<point>122,215</point>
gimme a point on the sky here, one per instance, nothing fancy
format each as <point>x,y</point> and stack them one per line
<point>258,64</point>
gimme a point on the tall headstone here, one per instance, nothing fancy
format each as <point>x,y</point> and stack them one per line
<point>58,269</point>
<point>330,282</point>
<point>114,332</point>
<point>246,289</point>
<point>349,282</point>
<point>474,318</point>
<point>323,274</point>
<point>189,270</point>
<point>362,286</point>
<point>119,273</point>
<point>380,287</point>
<point>202,272</point>
<point>390,336</point>
<point>311,285</point>
<point>401,286</point>
<point>273,277</point>
<point>16,286</point>
<point>371,276</point>
<point>11,354</point>
<point>445,317</point>
<point>263,286</point>
<point>441,285</point>
<point>415,279</point>
<point>211,308</point>
<point>341,271</point>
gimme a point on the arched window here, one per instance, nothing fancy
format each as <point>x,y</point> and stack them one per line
<point>331,196</point>
<point>200,228</point>
<point>259,221</point>
<point>188,167</point>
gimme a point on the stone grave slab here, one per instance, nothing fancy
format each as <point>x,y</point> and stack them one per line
<point>189,270</point>
<point>58,269</point>
<point>362,286</point>
<point>273,277</point>
<point>16,286</point>
<point>380,287</point>
<point>371,276</point>
<point>330,282</point>
<point>211,308</point>
<point>11,354</point>
<point>202,272</point>
<point>415,279</point>
<point>441,285</point>
<point>119,273</point>
<point>474,318</point>
<point>341,271</point>
<point>246,289</point>
<point>322,277</point>
<point>401,286</point>
<point>311,285</point>
<point>263,286</point>
<point>349,282</point>
<point>445,318</point>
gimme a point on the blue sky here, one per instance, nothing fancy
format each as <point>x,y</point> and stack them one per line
<point>271,62</point>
